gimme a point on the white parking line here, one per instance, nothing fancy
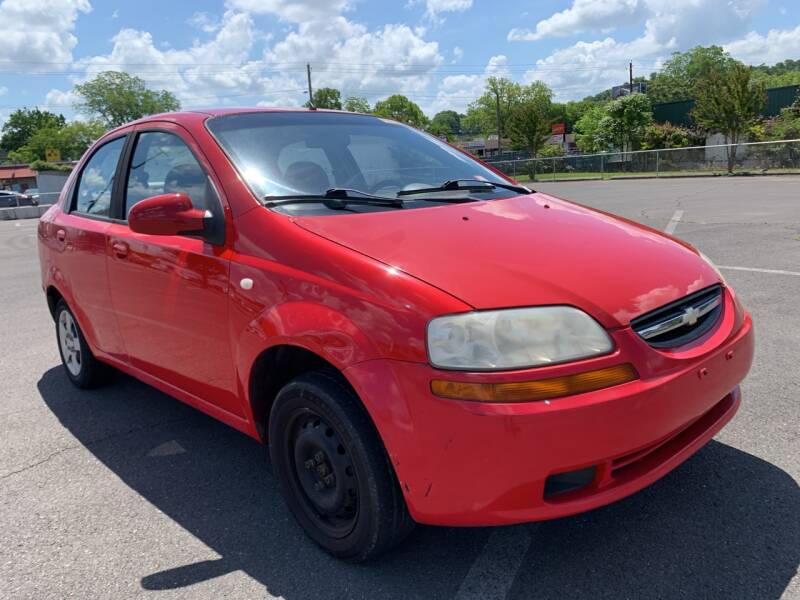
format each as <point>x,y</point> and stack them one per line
<point>673,222</point>
<point>754,269</point>
<point>491,575</point>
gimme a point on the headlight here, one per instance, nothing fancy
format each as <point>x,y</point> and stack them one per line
<point>514,338</point>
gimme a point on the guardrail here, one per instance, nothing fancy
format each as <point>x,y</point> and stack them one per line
<point>756,158</point>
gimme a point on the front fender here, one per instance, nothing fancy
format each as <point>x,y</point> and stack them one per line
<point>314,327</point>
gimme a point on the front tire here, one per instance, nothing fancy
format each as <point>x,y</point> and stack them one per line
<point>333,470</point>
<point>82,368</point>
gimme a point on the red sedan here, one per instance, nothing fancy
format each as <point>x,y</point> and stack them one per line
<point>417,337</point>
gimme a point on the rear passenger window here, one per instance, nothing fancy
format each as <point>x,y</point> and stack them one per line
<point>97,180</point>
<point>163,164</point>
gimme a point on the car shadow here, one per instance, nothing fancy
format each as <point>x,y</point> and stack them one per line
<point>725,524</point>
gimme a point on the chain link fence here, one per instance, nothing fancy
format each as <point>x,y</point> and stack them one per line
<point>754,158</point>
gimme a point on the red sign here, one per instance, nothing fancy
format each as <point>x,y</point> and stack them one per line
<point>558,128</point>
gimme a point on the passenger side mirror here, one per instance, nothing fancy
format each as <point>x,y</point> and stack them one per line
<point>168,214</point>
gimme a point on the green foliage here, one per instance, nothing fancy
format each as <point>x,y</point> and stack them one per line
<point>446,122</point>
<point>666,135</point>
<point>587,130</point>
<point>71,141</point>
<point>529,121</point>
<point>400,108</point>
<point>23,123</point>
<point>570,112</point>
<point>326,97</point>
<point>729,102</point>
<point>357,104</point>
<point>550,151</point>
<point>41,165</point>
<point>116,98</point>
<point>773,80</point>
<point>625,122</point>
<point>681,74</point>
<point>786,126</point>
<point>482,113</point>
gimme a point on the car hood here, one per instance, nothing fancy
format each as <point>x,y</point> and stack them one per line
<point>525,251</point>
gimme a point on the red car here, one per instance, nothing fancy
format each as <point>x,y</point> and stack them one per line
<point>417,337</point>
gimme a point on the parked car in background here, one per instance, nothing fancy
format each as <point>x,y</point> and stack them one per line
<point>33,196</point>
<point>416,336</point>
<point>10,198</point>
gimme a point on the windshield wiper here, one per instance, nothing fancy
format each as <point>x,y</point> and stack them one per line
<point>475,185</point>
<point>334,198</point>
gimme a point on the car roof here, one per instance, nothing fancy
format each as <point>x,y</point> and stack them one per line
<point>195,115</point>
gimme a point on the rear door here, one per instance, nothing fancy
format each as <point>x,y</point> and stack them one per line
<point>170,293</point>
<point>79,251</point>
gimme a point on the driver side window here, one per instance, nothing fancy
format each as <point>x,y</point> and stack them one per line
<point>163,164</point>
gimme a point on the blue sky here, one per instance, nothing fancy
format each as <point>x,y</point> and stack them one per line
<point>438,52</point>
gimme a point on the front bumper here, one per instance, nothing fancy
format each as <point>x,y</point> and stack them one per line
<point>471,463</point>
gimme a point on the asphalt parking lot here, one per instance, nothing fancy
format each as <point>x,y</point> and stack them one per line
<point>123,491</point>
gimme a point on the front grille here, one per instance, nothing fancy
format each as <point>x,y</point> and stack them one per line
<point>682,321</point>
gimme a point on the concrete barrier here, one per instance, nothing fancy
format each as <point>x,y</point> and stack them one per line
<point>23,212</point>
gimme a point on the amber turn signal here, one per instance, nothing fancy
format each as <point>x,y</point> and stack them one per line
<point>540,389</point>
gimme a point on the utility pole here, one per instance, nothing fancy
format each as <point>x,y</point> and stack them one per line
<point>630,77</point>
<point>310,93</point>
<point>497,114</point>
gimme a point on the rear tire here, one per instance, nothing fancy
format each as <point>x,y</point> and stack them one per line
<point>82,368</point>
<point>333,469</point>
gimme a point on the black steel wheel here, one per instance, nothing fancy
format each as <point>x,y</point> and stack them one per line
<point>333,469</point>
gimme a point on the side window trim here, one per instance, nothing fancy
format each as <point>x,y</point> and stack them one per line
<point>219,226</point>
<point>76,184</point>
<point>130,150</point>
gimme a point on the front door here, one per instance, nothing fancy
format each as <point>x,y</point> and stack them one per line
<point>170,293</point>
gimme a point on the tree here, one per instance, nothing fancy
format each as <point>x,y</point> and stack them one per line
<point>23,123</point>
<point>482,113</point>
<point>729,102</point>
<point>116,98</point>
<point>624,122</point>
<point>529,121</point>
<point>357,104</point>
<point>71,141</point>
<point>401,109</point>
<point>446,122</point>
<point>587,130</point>
<point>326,97</point>
<point>681,74</point>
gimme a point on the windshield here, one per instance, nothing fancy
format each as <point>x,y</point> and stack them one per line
<point>287,153</point>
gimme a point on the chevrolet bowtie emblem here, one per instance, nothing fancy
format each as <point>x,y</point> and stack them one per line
<point>690,315</point>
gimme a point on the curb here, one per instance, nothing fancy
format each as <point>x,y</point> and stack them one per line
<point>23,212</point>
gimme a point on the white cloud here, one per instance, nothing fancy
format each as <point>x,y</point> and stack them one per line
<point>204,22</point>
<point>585,15</point>
<point>57,100</point>
<point>352,58</point>
<point>294,11</point>
<point>589,67</point>
<point>223,70</point>
<point>39,31</point>
<point>198,74</point>
<point>776,46</point>
<point>458,53</point>
<point>435,8</point>
<point>456,91</point>
<point>3,90</point>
